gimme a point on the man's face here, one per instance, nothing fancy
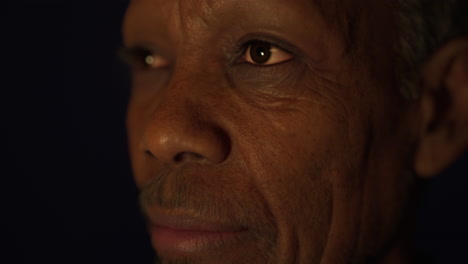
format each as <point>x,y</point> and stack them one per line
<point>258,135</point>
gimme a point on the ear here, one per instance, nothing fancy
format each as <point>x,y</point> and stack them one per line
<point>444,109</point>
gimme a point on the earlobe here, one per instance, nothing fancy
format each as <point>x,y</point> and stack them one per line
<point>443,109</point>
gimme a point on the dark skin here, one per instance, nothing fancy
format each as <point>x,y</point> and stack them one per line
<point>302,154</point>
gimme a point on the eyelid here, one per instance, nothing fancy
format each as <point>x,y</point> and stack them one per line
<point>142,58</point>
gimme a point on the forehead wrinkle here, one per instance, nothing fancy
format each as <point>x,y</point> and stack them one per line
<point>181,21</point>
<point>198,16</point>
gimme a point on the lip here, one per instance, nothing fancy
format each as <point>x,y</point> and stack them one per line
<point>184,234</point>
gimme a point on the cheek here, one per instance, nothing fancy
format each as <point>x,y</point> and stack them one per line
<point>295,159</point>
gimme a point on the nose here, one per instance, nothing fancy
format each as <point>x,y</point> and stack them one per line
<point>182,129</point>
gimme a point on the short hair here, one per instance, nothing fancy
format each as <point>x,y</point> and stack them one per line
<point>425,26</point>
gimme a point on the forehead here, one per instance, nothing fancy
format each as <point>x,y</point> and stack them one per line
<point>204,8</point>
<point>192,14</point>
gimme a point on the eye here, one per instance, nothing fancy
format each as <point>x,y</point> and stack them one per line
<point>264,53</point>
<point>154,62</point>
<point>143,58</point>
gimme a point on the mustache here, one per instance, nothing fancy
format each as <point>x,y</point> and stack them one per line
<point>227,199</point>
<point>167,190</point>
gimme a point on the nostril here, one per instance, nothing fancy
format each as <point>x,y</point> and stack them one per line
<point>187,156</point>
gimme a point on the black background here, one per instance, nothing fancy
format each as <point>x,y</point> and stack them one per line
<point>67,191</point>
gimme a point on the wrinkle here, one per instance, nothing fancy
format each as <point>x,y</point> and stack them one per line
<point>199,15</point>
<point>332,91</point>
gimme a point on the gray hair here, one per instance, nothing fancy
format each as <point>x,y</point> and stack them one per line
<point>425,26</point>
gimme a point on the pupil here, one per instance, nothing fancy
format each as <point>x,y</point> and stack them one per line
<point>260,52</point>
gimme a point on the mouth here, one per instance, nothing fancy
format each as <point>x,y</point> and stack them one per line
<point>185,235</point>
